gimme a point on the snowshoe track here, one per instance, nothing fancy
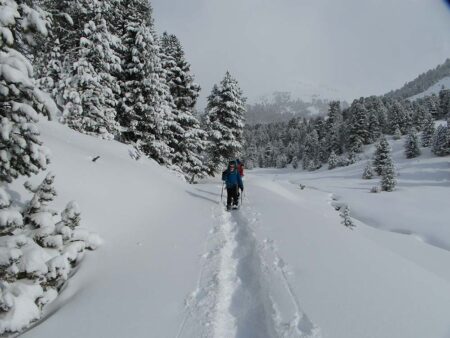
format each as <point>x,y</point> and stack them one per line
<point>243,290</point>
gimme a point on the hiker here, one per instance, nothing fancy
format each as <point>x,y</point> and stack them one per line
<point>240,167</point>
<point>233,182</point>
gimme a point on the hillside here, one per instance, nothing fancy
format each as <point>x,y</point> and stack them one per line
<point>423,82</point>
<point>281,108</point>
<point>175,264</point>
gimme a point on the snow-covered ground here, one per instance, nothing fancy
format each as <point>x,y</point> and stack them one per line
<point>434,89</point>
<point>175,264</point>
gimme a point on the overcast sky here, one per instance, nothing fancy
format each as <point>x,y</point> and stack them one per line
<point>336,48</point>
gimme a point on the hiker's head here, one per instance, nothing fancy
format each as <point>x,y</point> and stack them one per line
<point>232,165</point>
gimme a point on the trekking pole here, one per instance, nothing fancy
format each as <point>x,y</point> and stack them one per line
<point>221,194</point>
<point>242,198</point>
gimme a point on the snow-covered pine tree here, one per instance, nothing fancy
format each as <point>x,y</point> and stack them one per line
<point>190,144</point>
<point>428,131</point>
<point>333,161</point>
<point>368,171</point>
<point>412,148</point>
<point>311,152</point>
<point>89,90</point>
<point>397,134</point>
<point>444,102</point>
<point>374,128</point>
<point>145,111</point>
<point>333,128</point>
<point>21,151</point>
<point>441,141</point>
<point>358,127</point>
<point>225,122</point>
<point>398,118</point>
<point>388,181</point>
<point>382,155</point>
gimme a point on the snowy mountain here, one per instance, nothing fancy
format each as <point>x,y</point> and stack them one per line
<point>175,264</point>
<point>434,89</point>
<point>424,82</point>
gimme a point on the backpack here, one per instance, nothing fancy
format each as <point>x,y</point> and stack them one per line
<point>240,169</point>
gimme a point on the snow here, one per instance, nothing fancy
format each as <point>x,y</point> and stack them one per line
<point>434,89</point>
<point>174,263</point>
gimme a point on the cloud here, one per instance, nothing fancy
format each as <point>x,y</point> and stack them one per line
<point>343,49</point>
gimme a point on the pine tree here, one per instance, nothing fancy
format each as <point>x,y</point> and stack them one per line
<point>20,100</point>
<point>225,122</point>
<point>190,143</point>
<point>358,128</point>
<point>89,89</point>
<point>381,156</point>
<point>398,118</point>
<point>397,134</point>
<point>368,171</point>
<point>412,148</point>
<point>311,152</point>
<point>333,128</point>
<point>388,181</point>
<point>145,111</point>
<point>374,127</point>
<point>428,131</point>
<point>441,141</point>
<point>333,161</point>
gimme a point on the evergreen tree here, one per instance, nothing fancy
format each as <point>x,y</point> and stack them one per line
<point>374,127</point>
<point>388,181</point>
<point>190,143</point>
<point>428,131</point>
<point>441,141</point>
<point>397,134</point>
<point>398,118</point>
<point>89,89</point>
<point>382,155</point>
<point>311,160</point>
<point>358,128</point>
<point>145,111</point>
<point>368,171</point>
<point>444,102</point>
<point>20,99</point>
<point>225,122</point>
<point>412,148</point>
<point>333,128</point>
<point>333,161</point>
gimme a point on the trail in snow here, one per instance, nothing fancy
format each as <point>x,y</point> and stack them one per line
<point>243,291</point>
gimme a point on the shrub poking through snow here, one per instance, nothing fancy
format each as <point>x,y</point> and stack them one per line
<point>37,254</point>
<point>375,189</point>
<point>346,219</point>
<point>368,171</point>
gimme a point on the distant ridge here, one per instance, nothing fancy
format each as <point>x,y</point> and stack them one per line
<point>422,82</point>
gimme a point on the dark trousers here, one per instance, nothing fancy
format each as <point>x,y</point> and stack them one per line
<point>232,196</point>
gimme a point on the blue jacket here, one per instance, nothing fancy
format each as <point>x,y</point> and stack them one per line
<point>232,179</point>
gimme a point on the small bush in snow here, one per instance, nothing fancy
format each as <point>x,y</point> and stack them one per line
<point>397,134</point>
<point>368,171</point>
<point>375,189</point>
<point>346,219</point>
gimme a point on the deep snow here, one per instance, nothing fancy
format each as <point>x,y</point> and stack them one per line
<point>175,264</point>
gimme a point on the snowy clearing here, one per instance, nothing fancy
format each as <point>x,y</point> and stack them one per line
<point>175,264</point>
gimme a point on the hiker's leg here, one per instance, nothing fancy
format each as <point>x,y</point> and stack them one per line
<point>229,196</point>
